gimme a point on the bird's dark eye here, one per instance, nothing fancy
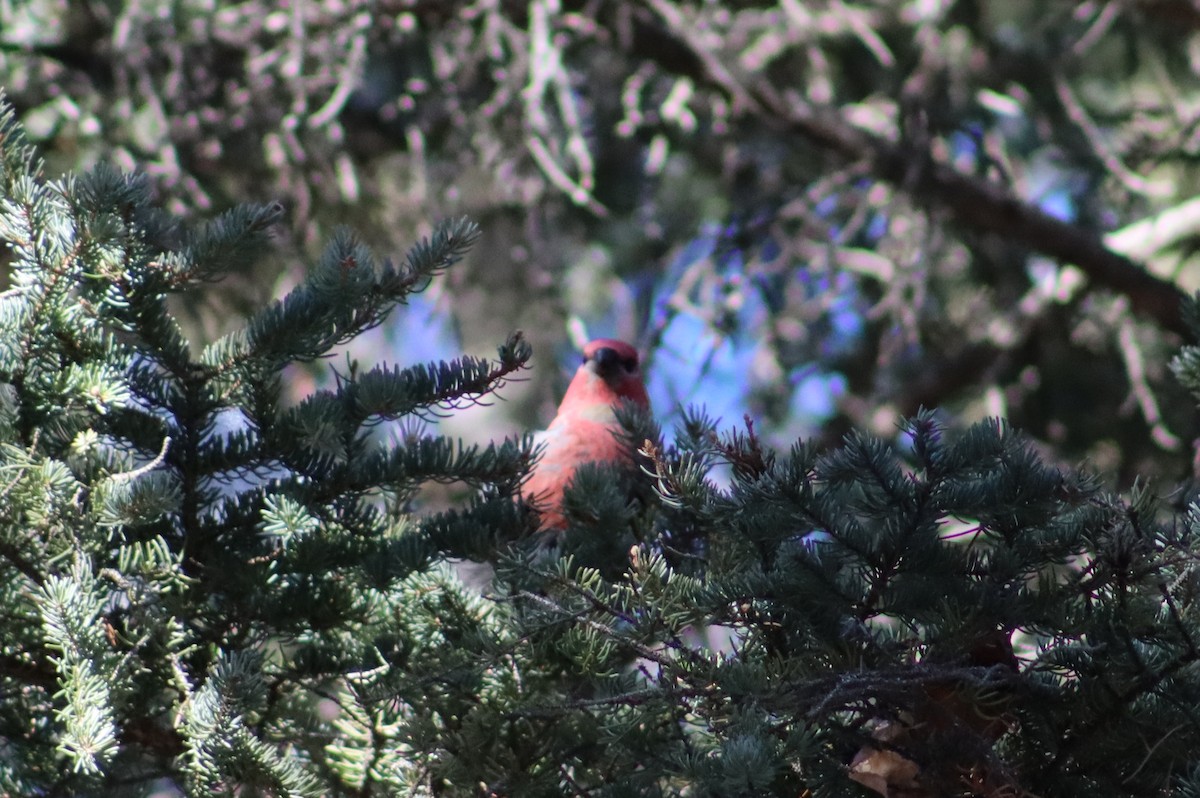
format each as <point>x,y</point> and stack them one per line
<point>629,363</point>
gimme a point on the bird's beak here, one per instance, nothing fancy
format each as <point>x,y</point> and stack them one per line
<point>608,362</point>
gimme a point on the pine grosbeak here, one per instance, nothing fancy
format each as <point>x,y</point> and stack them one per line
<point>586,430</point>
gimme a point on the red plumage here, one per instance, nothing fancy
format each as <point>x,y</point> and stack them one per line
<point>585,430</point>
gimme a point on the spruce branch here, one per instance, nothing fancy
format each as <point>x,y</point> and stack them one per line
<point>224,245</point>
<point>385,393</point>
<point>88,685</point>
<point>347,294</point>
<point>18,158</point>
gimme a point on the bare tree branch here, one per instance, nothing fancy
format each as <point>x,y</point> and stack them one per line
<point>973,202</point>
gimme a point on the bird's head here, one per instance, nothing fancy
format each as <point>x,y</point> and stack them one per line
<point>610,372</point>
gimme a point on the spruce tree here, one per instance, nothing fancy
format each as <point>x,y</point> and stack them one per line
<point>209,589</point>
<point>194,571</point>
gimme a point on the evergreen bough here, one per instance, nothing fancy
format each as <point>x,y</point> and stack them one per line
<point>207,588</point>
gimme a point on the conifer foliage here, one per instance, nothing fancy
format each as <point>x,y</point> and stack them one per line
<point>191,569</point>
<point>210,590</point>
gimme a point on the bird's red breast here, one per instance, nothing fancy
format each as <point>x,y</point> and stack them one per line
<point>585,429</point>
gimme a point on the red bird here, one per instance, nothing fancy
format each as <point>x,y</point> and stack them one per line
<point>585,430</point>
